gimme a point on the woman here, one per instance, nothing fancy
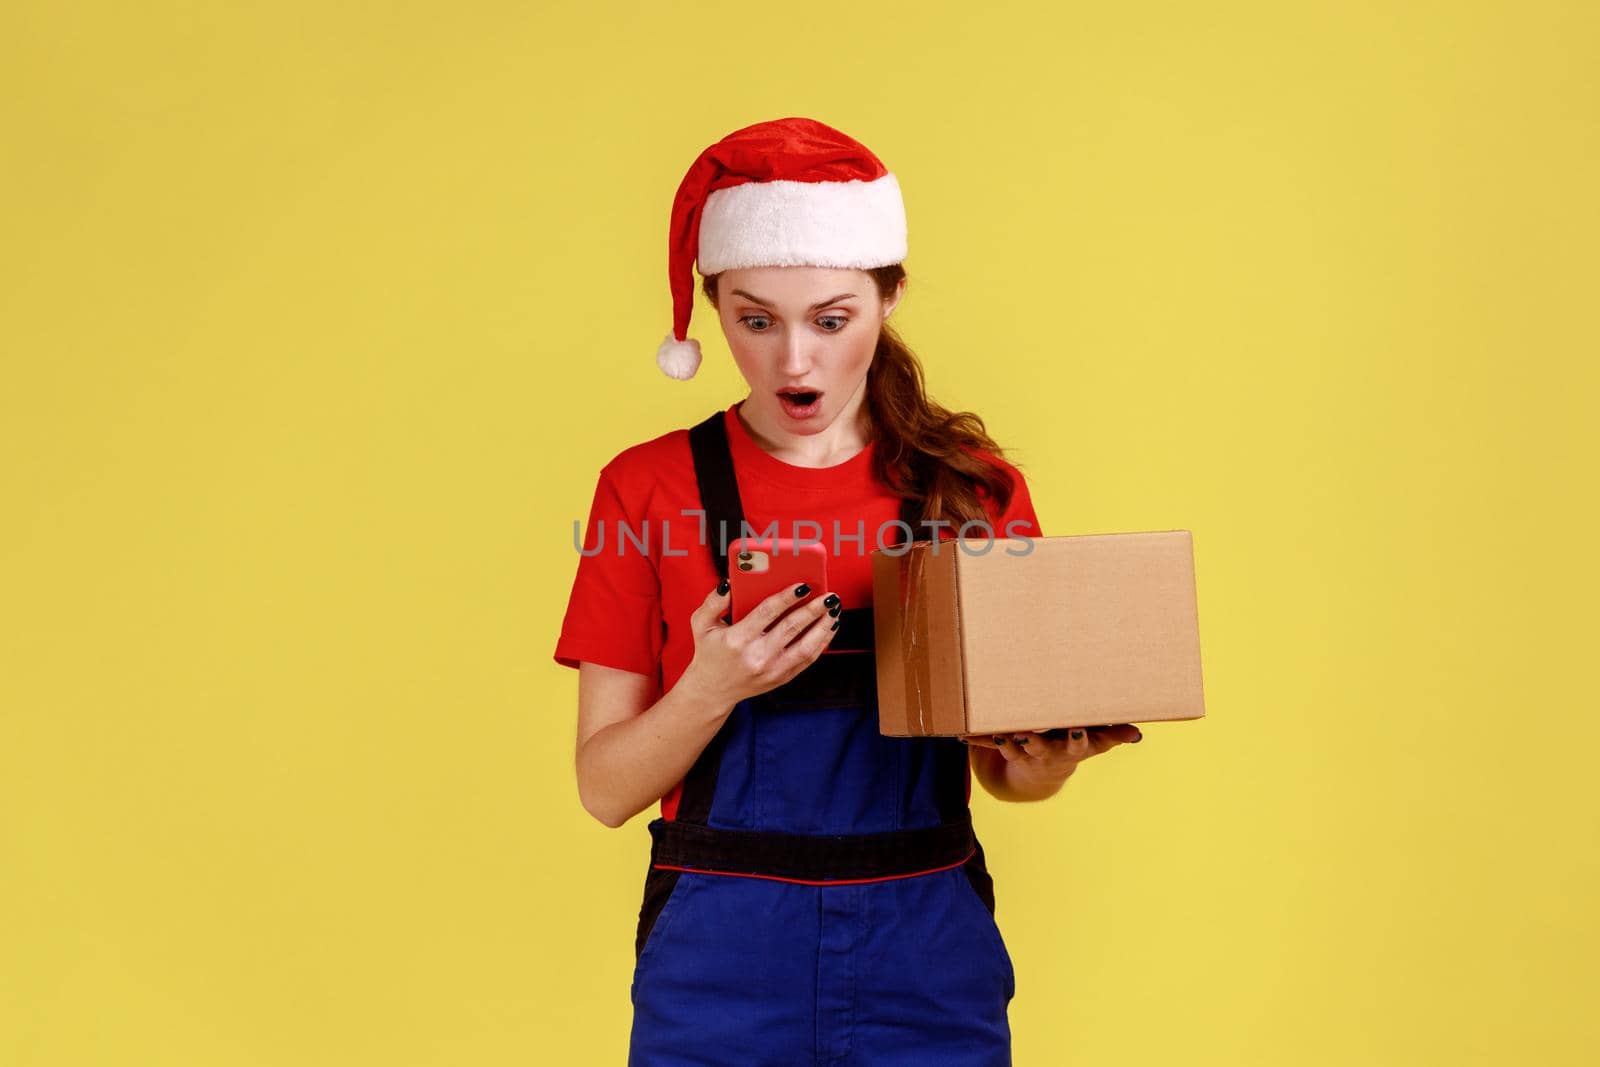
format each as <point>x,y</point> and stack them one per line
<point>816,891</point>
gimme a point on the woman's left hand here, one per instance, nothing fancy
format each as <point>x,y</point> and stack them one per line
<point>1058,751</point>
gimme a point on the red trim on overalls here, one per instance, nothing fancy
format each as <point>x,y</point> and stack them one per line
<point>808,881</point>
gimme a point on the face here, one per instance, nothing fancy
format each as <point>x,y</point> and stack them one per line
<point>803,329</point>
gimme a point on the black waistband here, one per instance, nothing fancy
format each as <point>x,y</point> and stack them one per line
<point>811,857</point>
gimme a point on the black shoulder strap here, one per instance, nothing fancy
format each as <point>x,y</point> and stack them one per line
<point>724,516</point>
<point>910,514</point>
<point>719,488</point>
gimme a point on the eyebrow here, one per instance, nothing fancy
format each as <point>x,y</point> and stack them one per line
<point>831,300</point>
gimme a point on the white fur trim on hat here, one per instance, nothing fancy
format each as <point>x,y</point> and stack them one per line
<point>856,224</point>
<point>679,359</point>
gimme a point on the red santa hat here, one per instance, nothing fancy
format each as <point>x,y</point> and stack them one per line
<point>788,192</point>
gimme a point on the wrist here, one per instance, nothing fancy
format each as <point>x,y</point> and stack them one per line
<point>703,693</point>
<point>1037,779</point>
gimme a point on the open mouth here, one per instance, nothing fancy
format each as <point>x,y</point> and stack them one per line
<point>800,403</point>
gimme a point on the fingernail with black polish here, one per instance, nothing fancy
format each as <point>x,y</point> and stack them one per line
<point>831,600</point>
<point>999,740</point>
<point>834,611</point>
<point>722,587</point>
<point>802,589</point>
<point>1077,735</point>
<point>1019,740</point>
<point>835,625</point>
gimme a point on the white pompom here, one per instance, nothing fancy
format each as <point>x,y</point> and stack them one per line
<point>679,359</point>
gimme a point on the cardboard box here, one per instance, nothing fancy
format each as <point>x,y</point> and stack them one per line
<point>1036,633</point>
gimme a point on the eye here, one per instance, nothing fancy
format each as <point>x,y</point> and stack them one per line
<point>840,319</point>
<point>753,329</point>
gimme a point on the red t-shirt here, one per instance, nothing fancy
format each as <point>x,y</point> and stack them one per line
<point>629,609</point>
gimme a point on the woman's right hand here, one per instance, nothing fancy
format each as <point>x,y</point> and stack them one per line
<point>745,659</point>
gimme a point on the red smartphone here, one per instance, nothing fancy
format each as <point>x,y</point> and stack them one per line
<point>761,566</point>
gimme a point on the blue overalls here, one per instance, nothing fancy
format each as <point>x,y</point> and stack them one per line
<point>820,897</point>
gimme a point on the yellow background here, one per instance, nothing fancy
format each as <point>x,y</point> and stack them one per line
<point>319,320</point>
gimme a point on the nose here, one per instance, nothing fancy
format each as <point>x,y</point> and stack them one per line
<point>796,358</point>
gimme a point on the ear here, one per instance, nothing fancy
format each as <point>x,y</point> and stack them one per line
<point>894,301</point>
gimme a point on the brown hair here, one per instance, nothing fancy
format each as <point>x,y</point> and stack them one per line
<point>924,450</point>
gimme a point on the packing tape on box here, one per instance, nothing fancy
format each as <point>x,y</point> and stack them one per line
<point>914,639</point>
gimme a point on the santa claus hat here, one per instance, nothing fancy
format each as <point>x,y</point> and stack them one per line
<point>788,192</point>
